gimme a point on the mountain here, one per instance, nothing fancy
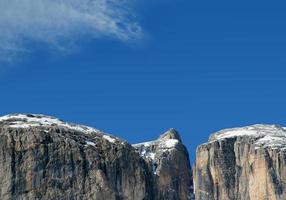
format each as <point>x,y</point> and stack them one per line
<point>247,163</point>
<point>168,160</point>
<point>43,157</point>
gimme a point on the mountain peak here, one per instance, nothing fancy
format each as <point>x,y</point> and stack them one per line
<point>26,121</point>
<point>84,162</point>
<point>171,134</point>
<point>263,135</point>
<point>238,162</point>
<point>29,117</point>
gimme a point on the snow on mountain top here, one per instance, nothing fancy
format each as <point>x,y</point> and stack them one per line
<point>109,138</point>
<point>167,140</point>
<point>153,150</point>
<point>25,121</point>
<point>162,143</point>
<point>171,134</point>
<point>35,120</point>
<point>31,118</point>
<point>165,143</point>
<point>272,136</point>
<point>170,143</point>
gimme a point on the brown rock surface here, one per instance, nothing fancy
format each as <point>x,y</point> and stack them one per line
<point>45,158</point>
<point>168,158</point>
<point>246,163</point>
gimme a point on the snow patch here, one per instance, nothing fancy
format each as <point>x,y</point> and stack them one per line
<point>170,143</point>
<point>163,143</point>
<point>151,156</point>
<point>35,120</point>
<point>89,143</point>
<point>149,149</point>
<point>109,139</point>
<point>153,151</point>
<point>272,136</point>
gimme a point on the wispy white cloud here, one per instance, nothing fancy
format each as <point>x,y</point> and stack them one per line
<point>57,23</point>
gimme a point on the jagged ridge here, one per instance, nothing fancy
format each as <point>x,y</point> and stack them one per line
<point>246,163</point>
<point>46,158</point>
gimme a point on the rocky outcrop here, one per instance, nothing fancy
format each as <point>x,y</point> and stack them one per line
<point>168,159</point>
<point>246,163</point>
<point>43,157</point>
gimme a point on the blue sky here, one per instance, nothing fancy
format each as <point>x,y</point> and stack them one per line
<point>197,66</point>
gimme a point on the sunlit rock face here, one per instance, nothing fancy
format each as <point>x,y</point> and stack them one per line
<point>246,163</point>
<point>42,157</point>
<point>168,160</point>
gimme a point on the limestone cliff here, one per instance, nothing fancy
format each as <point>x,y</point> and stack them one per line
<point>246,163</point>
<point>43,157</point>
<point>168,159</point>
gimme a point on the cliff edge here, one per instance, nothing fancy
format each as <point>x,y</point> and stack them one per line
<point>43,157</point>
<point>247,163</point>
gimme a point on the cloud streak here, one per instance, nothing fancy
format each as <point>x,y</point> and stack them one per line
<point>58,23</point>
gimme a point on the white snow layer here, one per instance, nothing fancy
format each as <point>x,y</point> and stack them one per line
<point>170,143</point>
<point>272,136</point>
<point>90,143</point>
<point>109,139</point>
<point>32,120</point>
<point>37,120</point>
<point>163,145</point>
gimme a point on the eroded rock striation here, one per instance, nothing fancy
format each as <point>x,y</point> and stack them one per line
<point>42,157</point>
<point>246,163</point>
<point>168,160</point>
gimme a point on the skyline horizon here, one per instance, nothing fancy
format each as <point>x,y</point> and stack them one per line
<point>135,69</point>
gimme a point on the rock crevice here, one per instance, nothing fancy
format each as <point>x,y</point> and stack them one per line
<point>245,163</point>
<point>42,157</point>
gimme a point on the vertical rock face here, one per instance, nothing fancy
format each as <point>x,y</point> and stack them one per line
<point>246,163</point>
<point>45,158</point>
<point>168,160</point>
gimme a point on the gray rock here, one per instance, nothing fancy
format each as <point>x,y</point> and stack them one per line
<point>168,159</point>
<point>242,164</point>
<point>43,157</point>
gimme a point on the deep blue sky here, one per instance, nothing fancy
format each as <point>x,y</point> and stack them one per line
<point>203,66</point>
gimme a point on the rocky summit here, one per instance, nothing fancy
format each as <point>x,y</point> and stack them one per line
<point>42,157</point>
<point>168,160</point>
<point>247,163</point>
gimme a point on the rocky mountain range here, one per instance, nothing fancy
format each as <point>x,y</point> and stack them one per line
<point>245,163</point>
<point>43,157</point>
